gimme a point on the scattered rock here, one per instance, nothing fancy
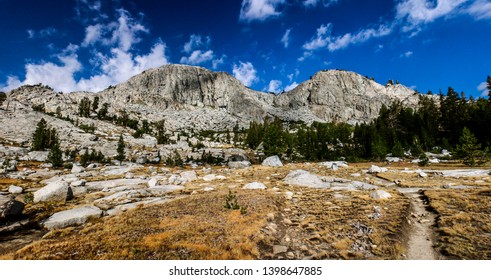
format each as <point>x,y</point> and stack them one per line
<point>188,176</point>
<point>334,164</point>
<point>78,183</point>
<point>393,159</point>
<point>129,175</point>
<point>279,249</point>
<point>289,195</point>
<point>270,217</point>
<point>254,186</point>
<point>15,189</point>
<point>375,169</point>
<point>153,182</point>
<point>305,179</point>
<point>208,189</point>
<point>239,164</point>
<point>10,208</point>
<point>273,161</point>
<point>422,174</point>
<point>77,169</point>
<point>380,194</point>
<point>75,216</point>
<point>209,177</point>
<point>54,192</point>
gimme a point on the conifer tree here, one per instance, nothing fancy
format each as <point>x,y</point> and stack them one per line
<point>40,136</point>
<point>468,147</point>
<point>121,145</point>
<point>95,104</point>
<point>55,156</point>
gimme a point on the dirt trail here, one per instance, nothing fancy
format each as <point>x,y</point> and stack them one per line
<point>421,235</point>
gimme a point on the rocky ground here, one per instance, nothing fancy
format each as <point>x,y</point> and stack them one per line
<point>331,210</point>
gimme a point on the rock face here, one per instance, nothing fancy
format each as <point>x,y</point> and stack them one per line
<point>75,216</point>
<point>54,192</point>
<point>194,97</point>
<point>273,161</point>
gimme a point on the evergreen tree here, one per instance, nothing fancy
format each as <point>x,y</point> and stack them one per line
<point>121,145</point>
<point>40,136</point>
<point>468,147</point>
<point>84,107</point>
<point>55,155</point>
<point>95,104</point>
<point>489,86</point>
<point>102,114</point>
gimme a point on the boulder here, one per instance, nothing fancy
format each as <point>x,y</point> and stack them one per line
<point>72,217</point>
<point>10,208</point>
<point>77,169</point>
<point>15,189</point>
<point>153,182</point>
<point>305,179</point>
<point>188,176</point>
<point>11,166</point>
<point>209,177</point>
<point>380,194</point>
<point>239,164</point>
<point>393,159</point>
<point>78,183</point>
<point>254,186</point>
<point>334,164</point>
<point>375,169</point>
<point>142,159</point>
<point>273,161</point>
<point>54,192</point>
<point>36,156</point>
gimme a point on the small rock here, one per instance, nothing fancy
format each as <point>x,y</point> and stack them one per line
<point>289,195</point>
<point>254,186</point>
<point>304,248</point>
<point>270,217</point>
<point>290,255</point>
<point>129,175</point>
<point>78,183</point>
<point>375,169</point>
<point>279,249</point>
<point>287,222</point>
<point>273,161</point>
<point>93,138</point>
<point>239,164</point>
<point>15,189</point>
<point>208,189</point>
<point>188,176</point>
<point>152,183</point>
<point>422,174</point>
<point>380,194</point>
<point>92,166</point>
<point>209,177</point>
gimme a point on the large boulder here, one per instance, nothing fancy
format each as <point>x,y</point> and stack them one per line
<point>305,179</point>
<point>72,217</point>
<point>36,156</point>
<point>77,169</point>
<point>10,208</point>
<point>188,176</point>
<point>54,192</point>
<point>15,189</point>
<point>375,169</point>
<point>273,161</point>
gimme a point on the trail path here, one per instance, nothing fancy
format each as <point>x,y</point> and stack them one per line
<point>421,235</point>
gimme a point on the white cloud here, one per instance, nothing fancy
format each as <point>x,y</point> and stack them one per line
<point>286,38</point>
<point>110,67</point>
<point>324,38</point>
<point>274,86</point>
<point>93,34</point>
<point>407,54</point>
<point>13,82</point>
<point>483,88</point>
<point>43,33</point>
<point>259,9</point>
<point>480,9</point>
<point>217,62</point>
<point>195,41</point>
<point>197,57</point>
<point>313,3</point>
<point>245,73</point>
<point>291,86</point>
<point>418,12</point>
<point>321,39</point>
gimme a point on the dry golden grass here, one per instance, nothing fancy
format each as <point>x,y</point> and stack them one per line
<point>464,222</point>
<point>196,227</point>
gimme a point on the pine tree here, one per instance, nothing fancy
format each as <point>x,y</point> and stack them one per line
<point>468,147</point>
<point>84,107</point>
<point>40,136</point>
<point>489,86</point>
<point>55,155</point>
<point>95,104</point>
<point>120,156</point>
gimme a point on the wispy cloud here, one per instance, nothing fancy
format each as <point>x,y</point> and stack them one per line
<point>274,86</point>
<point>286,38</point>
<point>259,10</point>
<point>246,73</point>
<point>314,3</point>
<point>325,39</point>
<point>43,33</point>
<point>407,54</point>
<point>483,89</point>
<point>480,9</point>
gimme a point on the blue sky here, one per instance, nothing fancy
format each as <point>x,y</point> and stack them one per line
<point>270,45</point>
